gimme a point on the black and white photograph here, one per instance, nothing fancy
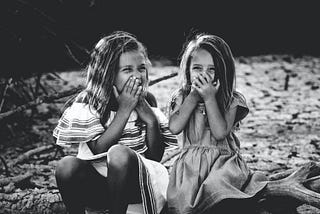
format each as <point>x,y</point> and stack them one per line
<point>159,107</point>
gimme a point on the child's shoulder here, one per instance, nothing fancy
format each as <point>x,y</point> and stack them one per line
<point>238,99</point>
<point>81,110</point>
<point>177,97</point>
<point>78,124</point>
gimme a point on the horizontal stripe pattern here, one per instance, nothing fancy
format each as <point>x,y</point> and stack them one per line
<point>80,124</point>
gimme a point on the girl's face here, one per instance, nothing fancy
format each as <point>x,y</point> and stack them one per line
<point>201,61</point>
<point>132,63</point>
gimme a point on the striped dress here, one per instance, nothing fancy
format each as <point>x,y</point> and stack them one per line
<point>80,124</point>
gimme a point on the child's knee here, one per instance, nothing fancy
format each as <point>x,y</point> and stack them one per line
<point>121,157</point>
<point>67,168</point>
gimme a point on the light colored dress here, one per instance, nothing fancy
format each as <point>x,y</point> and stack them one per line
<point>80,124</point>
<point>208,171</point>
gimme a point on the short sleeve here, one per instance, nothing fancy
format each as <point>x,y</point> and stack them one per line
<point>169,139</point>
<point>239,101</point>
<point>175,102</point>
<point>78,124</point>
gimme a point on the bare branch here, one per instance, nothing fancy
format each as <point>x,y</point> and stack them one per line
<point>15,179</point>
<point>152,82</point>
<point>30,153</point>
<point>42,99</point>
<point>4,92</point>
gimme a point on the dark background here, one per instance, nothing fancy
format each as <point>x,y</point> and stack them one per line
<point>38,35</point>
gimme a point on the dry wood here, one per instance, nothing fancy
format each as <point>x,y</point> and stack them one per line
<point>8,83</point>
<point>15,179</point>
<point>295,185</point>
<point>173,74</point>
<point>30,153</point>
<point>32,201</point>
<point>40,100</point>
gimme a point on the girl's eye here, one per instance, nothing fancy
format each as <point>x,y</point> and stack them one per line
<point>143,69</point>
<point>127,70</point>
<point>211,70</point>
<point>197,69</point>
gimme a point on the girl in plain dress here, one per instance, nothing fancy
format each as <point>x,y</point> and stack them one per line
<point>209,176</point>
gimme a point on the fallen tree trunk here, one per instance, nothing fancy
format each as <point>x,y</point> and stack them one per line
<point>300,190</point>
<point>288,190</point>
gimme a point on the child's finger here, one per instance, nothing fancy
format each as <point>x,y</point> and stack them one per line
<point>126,87</point>
<point>135,86</point>
<point>115,92</point>
<point>202,79</point>
<point>217,84</point>
<point>138,92</point>
<point>207,77</point>
<point>197,82</point>
<point>195,87</point>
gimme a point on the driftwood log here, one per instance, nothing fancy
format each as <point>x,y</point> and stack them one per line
<point>296,191</point>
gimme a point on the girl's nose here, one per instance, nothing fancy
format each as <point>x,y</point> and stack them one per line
<point>138,75</point>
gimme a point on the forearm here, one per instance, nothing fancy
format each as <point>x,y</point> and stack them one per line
<point>154,141</point>
<point>217,122</point>
<point>179,118</point>
<point>112,135</point>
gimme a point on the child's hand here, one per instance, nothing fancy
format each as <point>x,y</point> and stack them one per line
<point>130,94</point>
<point>194,94</point>
<point>204,86</point>
<point>144,111</point>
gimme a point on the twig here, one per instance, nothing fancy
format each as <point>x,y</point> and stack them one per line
<point>5,166</point>
<point>4,92</point>
<point>38,101</point>
<point>15,179</point>
<point>152,82</point>
<point>286,82</point>
<point>37,84</point>
<point>29,153</point>
<point>58,150</point>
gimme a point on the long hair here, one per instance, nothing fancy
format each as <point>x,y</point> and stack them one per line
<point>223,61</point>
<point>103,69</point>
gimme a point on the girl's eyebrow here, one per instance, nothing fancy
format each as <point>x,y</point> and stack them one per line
<point>196,65</point>
<point>125,66</point>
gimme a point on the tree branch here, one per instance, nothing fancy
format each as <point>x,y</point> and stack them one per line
<point>40,100</point>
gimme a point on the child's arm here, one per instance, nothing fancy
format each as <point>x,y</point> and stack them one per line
<point>154,141</point>
<point>127,101</point>
<point>220,125</point>
<point>180,116</point>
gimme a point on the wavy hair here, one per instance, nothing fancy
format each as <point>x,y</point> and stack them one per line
<point>103,68</point>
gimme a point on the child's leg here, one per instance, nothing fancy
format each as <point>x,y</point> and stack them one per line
<point>123,177</point>
<point>80,185</point>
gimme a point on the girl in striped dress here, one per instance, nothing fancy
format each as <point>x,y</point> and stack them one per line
<point>120,134</point>
<point>210,175</point>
